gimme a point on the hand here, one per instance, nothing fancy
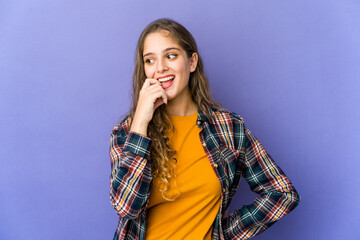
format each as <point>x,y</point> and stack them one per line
<point>151,96</point>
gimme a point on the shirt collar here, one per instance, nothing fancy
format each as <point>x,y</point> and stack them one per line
<point>202,117</point>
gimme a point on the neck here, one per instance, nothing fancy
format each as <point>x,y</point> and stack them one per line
<point>181,106</point>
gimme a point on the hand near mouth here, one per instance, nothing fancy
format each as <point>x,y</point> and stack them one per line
<point>151,96</point>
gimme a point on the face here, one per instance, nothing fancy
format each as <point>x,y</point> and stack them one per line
<point>167,62</point>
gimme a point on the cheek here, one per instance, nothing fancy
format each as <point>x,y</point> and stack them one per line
<point>148,72</point>
<point>184,67</point>
<point>179,68</point>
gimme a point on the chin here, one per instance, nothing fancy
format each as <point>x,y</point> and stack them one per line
<point>170,97</point>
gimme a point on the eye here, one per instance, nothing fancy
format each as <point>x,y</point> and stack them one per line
<point>149,60</point>
<point>171,56</point>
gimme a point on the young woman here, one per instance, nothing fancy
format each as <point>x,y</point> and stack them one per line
<point>178,156</point>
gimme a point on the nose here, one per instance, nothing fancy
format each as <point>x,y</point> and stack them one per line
<point>161,67</point>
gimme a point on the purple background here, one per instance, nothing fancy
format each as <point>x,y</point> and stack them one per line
<point>290,68</point>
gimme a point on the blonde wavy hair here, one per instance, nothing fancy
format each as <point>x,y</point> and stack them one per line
<point>161,152</point>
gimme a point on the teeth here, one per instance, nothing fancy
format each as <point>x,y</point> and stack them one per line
<point>166,79</point>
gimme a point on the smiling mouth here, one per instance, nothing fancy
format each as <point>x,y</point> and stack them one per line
<point>166,78</point>
<point>167,81</point>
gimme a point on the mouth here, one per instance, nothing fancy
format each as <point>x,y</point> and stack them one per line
<point>166,81</point>
<point>166,78</point>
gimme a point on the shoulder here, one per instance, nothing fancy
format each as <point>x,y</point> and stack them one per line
<point>229,128</point>
<point>222,115</point>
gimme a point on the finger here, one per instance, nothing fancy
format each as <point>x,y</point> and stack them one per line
<point>160,94</point>
<point>154,87</point>
<point>150,81</point>
<point>158,102</point>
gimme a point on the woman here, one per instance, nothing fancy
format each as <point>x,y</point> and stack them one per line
<point>177,157</point>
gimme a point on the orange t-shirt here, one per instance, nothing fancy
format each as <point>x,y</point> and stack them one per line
<point>192,214</point>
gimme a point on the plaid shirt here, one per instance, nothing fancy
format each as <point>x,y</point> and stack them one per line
<point>233,151</point>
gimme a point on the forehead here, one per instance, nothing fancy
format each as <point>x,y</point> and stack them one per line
<point>158,41</point>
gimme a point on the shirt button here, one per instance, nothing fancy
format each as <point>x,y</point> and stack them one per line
<point>224,190</point>
<point>204,144</point>
<point>215,165</point>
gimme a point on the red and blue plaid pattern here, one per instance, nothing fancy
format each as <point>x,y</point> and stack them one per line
<point>233,152</point>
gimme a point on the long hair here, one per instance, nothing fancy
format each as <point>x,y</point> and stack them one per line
<point>161,152</point>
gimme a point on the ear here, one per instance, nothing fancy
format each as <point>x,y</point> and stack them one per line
<point>193,62</point>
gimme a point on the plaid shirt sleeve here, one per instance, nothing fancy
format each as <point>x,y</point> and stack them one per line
<point>130,178</point>
<point>277,194</point>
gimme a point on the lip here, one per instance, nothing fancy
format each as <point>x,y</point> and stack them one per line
<point>165,76</point>
<point>172,82</point>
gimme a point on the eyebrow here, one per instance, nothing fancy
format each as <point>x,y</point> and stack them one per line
<point>165,50</point>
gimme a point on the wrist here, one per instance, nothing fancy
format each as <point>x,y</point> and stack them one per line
<point>139,127</point>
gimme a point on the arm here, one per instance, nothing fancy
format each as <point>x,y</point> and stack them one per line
<point>130,179</point>
<point>277,194</point>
